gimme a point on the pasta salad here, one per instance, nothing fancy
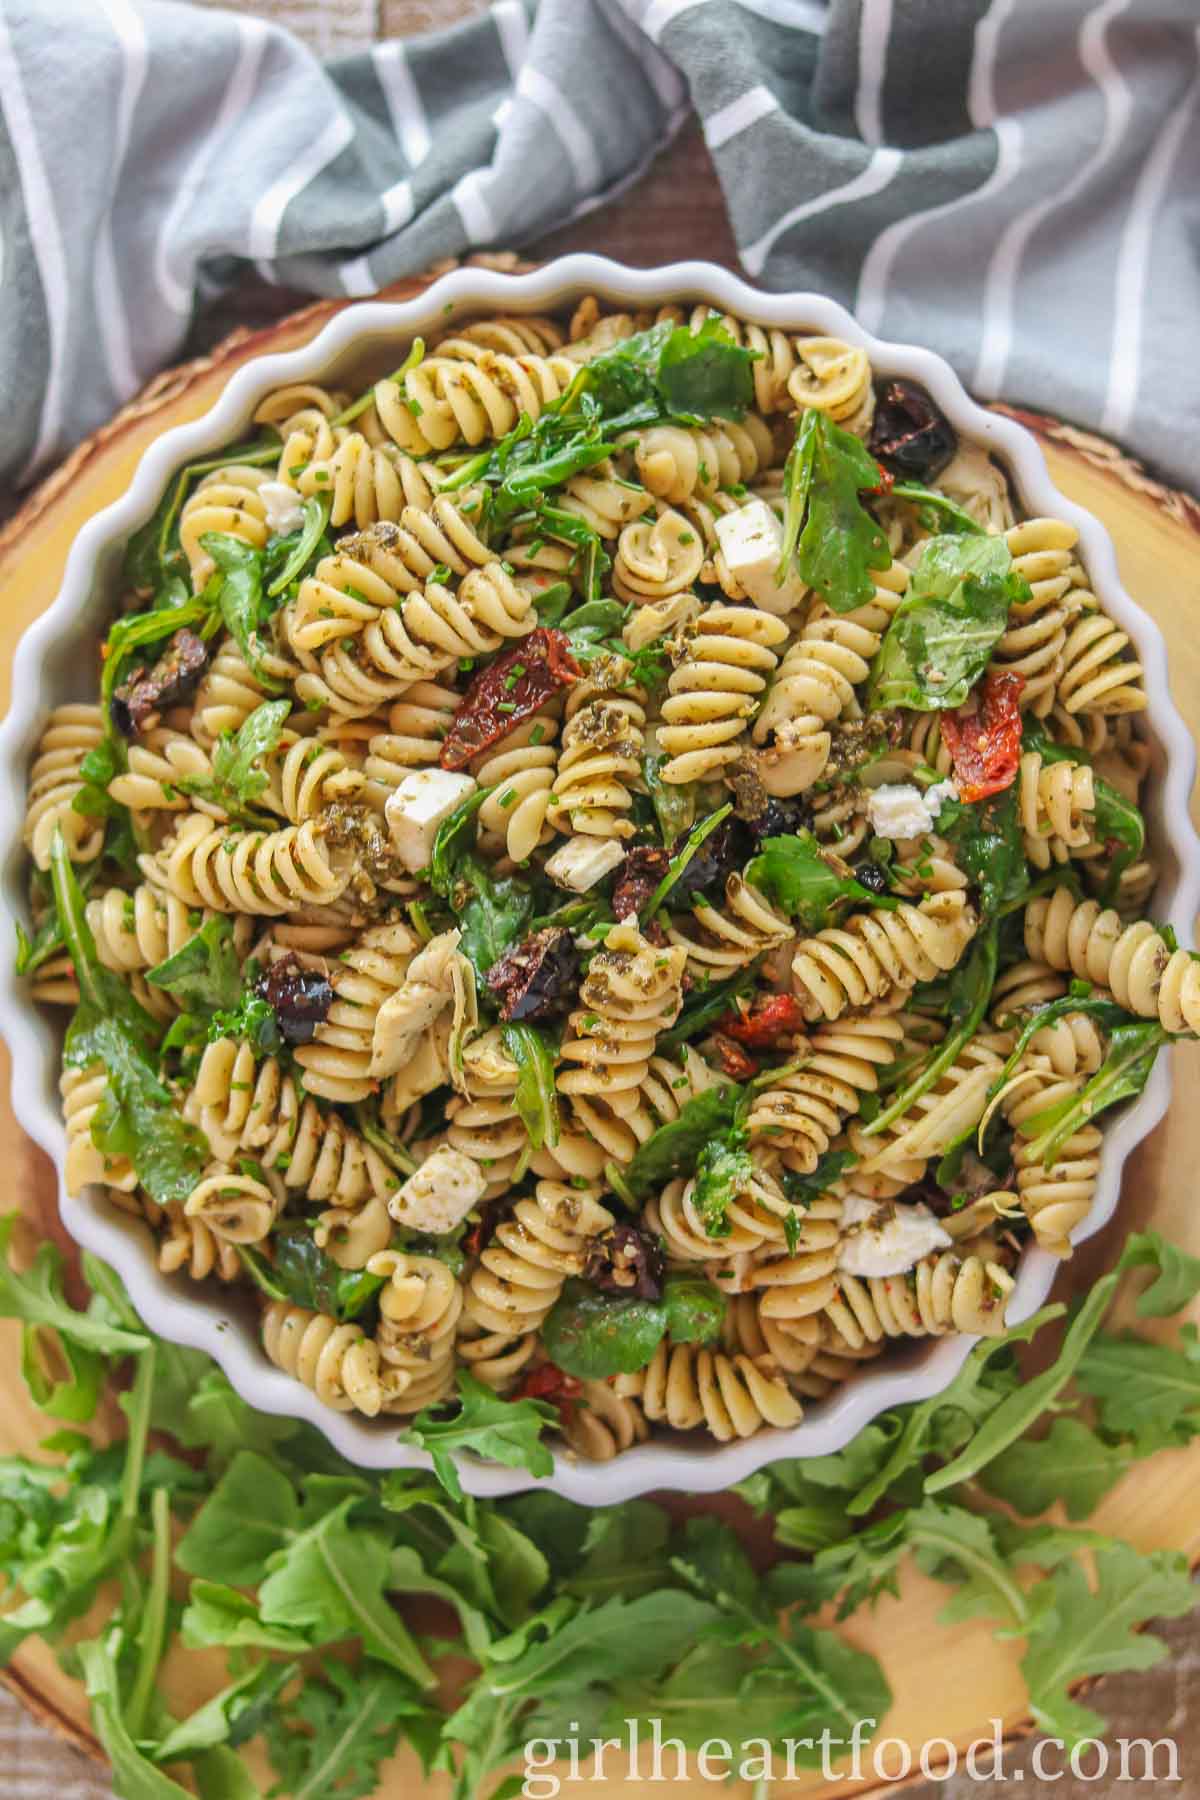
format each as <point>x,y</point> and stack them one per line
<point>605,868</point>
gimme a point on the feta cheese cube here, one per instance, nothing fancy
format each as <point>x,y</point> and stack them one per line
<point>751,540</point>
<point>441,1193</point>
<point>416,808</point>
<point>285,509</point>
<point>583,861</point>
<point>938,794</point>
<point>887,1238</point>
<point>900,810</point>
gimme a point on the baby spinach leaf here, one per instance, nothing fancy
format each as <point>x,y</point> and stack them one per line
<point>724,1169</point>
<point>594,1335</point>
<point>802,1190</point>
<point>674,802</point>
<point>454,842</point>
<point>495,917</point>
<point>236,589</point>
<point>839,542</point>
<point>673,1149</point>
<point>205,975</point>
<point>808,882</point>
<point>942,634</point>
<point>704,373</point>
<point>506,1431</point>
<point>695,1310</point>
<point>989,846</point>
<point>237,777</point>
<point>535,1098</point>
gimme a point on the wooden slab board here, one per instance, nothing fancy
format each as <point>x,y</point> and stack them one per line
<point>948,1683</point>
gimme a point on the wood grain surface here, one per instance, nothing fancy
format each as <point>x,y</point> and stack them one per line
<point>948,1682</point>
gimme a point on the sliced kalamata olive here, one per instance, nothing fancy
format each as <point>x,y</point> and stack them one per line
<point>626,1261</point>
<point>299,997</point>
<point>871,876</point>
<point>781,818</point>
<point>722,851</point>
<point>165,683</point>
<point>641,872</point>
<point>909,434</point>
<point>539,977</point>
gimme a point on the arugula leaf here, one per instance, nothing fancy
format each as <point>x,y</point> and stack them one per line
<point>724,1169</point>
<point>331,1741</point>
<point>594,1335</point>
<point>232,1716</point>
<point>683,857</point>
<point>989,847</point>
<point>1143,1388</point>
<point>219,1617</point>
<point>930,504</point>
<point>236,589</point>
<point>1178,1279</point>
<point>840,542</point>
<point>673,1149</point>
<point>302,1272</point>
<point>36,1297</point>
<point>134,1775</point>
<point>205,975</point>
<point>134,632</point>
<point>453,843</point>
<point>802,1190</point>
<point>329,1582</point>
<point>138,1117</point>
<point>535,1098</point>
<point>695,1310</point>
<point>251,1513</point>
<point>1094,1632</point>
<point>506,1431</point>
<point>943,632</point>
<point>1071,1465</point>
<point>702,1006</point>
<point>1131,1054</point>
<point>307,540</point>
<point>237,778</point>
<point>674,802</point>
<point>1117,820</point>
<point>805,880</point>
<point>154,561</point>
<point>1013,1417</point>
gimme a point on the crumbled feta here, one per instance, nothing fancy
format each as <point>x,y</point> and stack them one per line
<point>441,1193</point>
<point>583,861</point>
<point>751,540</point>
<point>285,509</point>
<point>900,810</point>
<point>416,808</point>
<point>886,1238</point>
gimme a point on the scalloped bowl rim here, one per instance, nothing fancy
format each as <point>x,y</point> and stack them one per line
<point>183,1316</point>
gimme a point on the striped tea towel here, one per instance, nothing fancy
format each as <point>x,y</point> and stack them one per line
<point>1012,182</point>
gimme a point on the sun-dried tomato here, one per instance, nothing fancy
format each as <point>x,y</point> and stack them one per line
<point>984,736</point>
<point>507,691</point>
<point>550,1383</point>
<point>765,1022</point>
<point>737,1063</point>
<point>641,873</point>
<point>539,977</point>
<point>167,682</point>
<point>909,433</point>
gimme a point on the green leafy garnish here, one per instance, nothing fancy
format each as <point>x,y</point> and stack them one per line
<point>683,857</point>
<point>205,976</point>
<point>989,846</point>
<point>302,551</point>
<point>535,1098</point>
<point>1132,1049</point>
<point>673,369</point>
<point>942,634</point>
<point>504,1431</point>
<point>673,1149</point>
<point>237,777</point>
<point>594,1335</point>
<point>236,590</point>
<point>826,528</point>
<point>302,1272</point>
<point>808,882</point>
<point>724,1170</point>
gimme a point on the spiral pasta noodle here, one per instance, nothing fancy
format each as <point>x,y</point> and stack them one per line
<point>876,954</point>
<point>55,781</point>
<point>713,692</point>
<point>1133,961</point>
<point>943,1293</point>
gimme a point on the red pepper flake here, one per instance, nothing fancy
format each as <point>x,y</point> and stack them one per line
<point>735,1061</point>
<point>984,737</point>
<point>762,1024</point>
<point>549,1382</point>
<point>509,690</point>
<point>887,481</point>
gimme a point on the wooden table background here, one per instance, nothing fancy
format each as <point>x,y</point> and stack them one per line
<point>676,210</point>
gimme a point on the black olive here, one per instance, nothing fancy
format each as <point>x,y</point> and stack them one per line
<point>781,818</point>
<point>909,434</point>
<point>166,683</point>
<point>626,1261</point>
<point>539,977</point>
<point>723,850</point>
<point>300,998</point>
<point>871,876</point>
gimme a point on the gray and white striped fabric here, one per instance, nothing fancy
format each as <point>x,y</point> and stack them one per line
<point>1012,182</point>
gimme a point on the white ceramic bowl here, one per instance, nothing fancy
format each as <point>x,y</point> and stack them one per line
<point>55,662</point>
